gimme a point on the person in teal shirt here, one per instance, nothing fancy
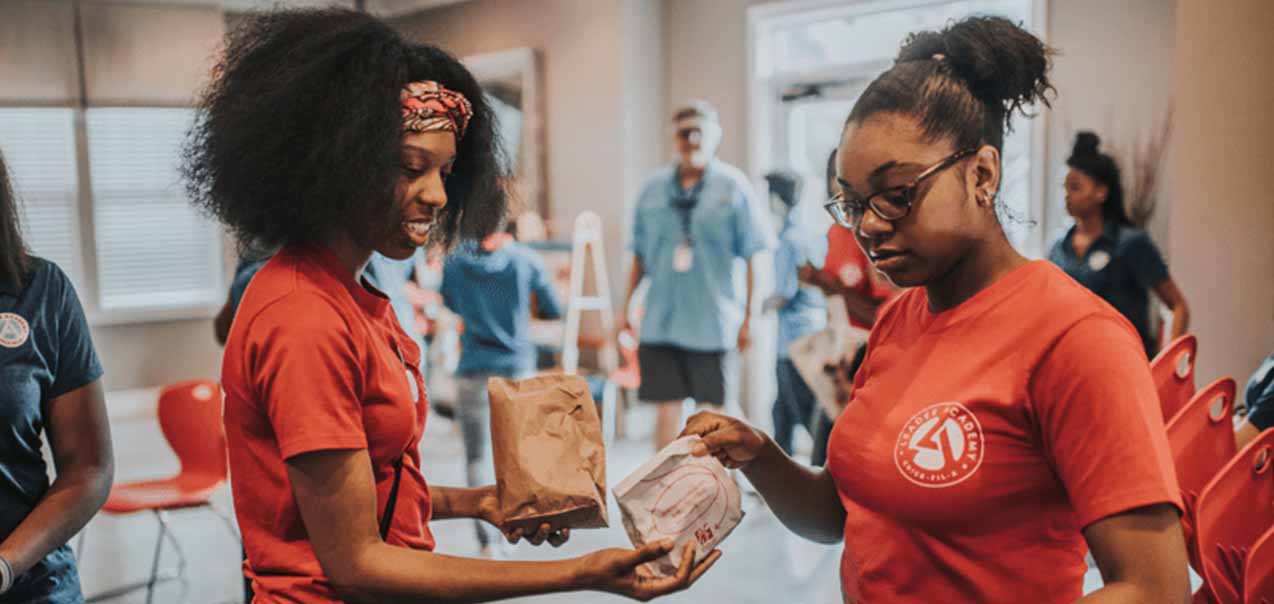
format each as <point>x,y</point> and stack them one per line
<point>696,225</point>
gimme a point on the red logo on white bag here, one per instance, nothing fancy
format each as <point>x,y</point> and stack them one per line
<point>940,446</point>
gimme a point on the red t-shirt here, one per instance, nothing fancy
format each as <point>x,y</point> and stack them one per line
<point>981,440</point>
<point>846,263</point>
<point>316,362</point>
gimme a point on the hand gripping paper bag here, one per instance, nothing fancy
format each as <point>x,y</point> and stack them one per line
<point>826,348</point>
<point>550,461</point>
<point>678,496</point>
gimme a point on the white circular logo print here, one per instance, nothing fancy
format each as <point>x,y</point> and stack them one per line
<point>940,446</point>
<point>13,330</point>
<point>851,275</point>
<point>1098,260</point>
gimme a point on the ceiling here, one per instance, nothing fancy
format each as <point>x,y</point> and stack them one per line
<point>384,8</point>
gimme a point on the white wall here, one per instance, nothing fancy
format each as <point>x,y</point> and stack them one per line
<point>37,65</point>
<point>1223,222</point>
<point>1114,75</point>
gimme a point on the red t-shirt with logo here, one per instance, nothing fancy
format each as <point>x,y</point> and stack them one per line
<point>846,263</point>
<point>981,440</point>
<point>316,362</point>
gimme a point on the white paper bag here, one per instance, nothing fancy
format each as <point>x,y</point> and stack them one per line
<point>813,354</point>
<point>678,496</point>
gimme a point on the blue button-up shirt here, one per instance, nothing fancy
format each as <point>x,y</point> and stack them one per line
<point>701,308</point>
<point>805,311</point>
<point>45,352</point>
<point>1121,266</point>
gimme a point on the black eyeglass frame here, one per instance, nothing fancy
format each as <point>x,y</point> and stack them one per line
<point>843,210</point>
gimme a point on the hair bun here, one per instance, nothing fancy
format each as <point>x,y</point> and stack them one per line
<point>1086,144</point>
<point>1000,62</point>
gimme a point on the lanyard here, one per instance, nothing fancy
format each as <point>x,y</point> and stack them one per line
<point>685,201</point>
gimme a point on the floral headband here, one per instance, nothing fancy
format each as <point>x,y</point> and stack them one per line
<point>428,107</point>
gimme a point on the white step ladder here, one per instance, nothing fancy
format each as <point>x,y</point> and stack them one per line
<point>588,238</point>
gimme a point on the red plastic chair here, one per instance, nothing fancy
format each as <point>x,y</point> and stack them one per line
<point>190,418</point>
<point>1173,372</point>
<point>1234,510</point>
<point>1201,437</point>
<point>1258,575</point>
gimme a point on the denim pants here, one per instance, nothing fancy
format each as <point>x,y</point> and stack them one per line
<point>473,412</point>
<point>794,406</point>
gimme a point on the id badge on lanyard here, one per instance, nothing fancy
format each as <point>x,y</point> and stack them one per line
<point>683,258</point>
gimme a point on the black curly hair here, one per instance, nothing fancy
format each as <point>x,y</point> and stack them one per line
<point>963,82</point>
<point>301,132</point>
<point>14,258</point>
<point>1087,158</point>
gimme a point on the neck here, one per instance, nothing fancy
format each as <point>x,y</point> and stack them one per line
<point>688,172</point>
<point>1090,223</point>
<point>353,257</point>
<point>987,263</point>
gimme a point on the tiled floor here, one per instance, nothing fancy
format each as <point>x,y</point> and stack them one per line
<point>763,563</point>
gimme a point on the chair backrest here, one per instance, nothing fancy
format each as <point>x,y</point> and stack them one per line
<point>1173,372</point>
<point>1258,575</point>
<point>190,417</point>
<point>1201,437</point>
<point>1234,510</point>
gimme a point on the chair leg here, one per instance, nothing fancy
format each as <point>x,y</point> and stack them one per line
<point>154,564</point>
<point>79,545</point>
<point>172,538</point>
<point>229,522</point>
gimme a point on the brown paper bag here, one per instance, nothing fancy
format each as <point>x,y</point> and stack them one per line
<point>550,462</point>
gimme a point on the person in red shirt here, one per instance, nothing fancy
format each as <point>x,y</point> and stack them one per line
<point>1004,421</point>
<point>326,134</point>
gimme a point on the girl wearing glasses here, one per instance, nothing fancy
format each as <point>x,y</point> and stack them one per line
<point>1003,421</point>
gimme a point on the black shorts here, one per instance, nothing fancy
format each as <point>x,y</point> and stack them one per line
<point>671,373</point>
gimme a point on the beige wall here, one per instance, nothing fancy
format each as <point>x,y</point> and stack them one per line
<point>152,354</point>
<point>602,88</point>
<point>1114,76</point>
<point>1223,247</point>
<point>579,44</point>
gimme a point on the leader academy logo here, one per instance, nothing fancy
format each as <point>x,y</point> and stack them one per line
<point>13,330</point>
<point>940,446</point>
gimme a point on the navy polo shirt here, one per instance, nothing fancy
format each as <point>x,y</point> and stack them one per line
<point>1260,395</point>
<point>45,352</point>
<point>1121,266</point>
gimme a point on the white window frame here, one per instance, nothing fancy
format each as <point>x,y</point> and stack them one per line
<point>765,117</point>
<point>84,271</point>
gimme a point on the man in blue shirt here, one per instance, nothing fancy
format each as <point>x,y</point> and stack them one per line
<point>693,224</point>
<point>493,286</point>
<point>801,308</point>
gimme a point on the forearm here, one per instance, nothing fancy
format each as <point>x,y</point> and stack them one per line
<point>804,499</point>
<point>72,500</point>
<point>385,573</point>
<point>454,502</point>
<point>635,275</point>
<point>860,307</point>
<point>747,293</point>
<point>1180,320</point>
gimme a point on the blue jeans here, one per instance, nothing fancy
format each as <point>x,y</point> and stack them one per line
<point>794,407</point>
<point>473,413</point>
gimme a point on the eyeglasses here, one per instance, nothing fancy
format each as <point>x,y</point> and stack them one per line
<point>891,204</point>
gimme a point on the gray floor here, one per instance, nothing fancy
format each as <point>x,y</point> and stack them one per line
<point>762,563</point>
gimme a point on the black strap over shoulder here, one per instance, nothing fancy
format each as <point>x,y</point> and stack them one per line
<point>387,518</point>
